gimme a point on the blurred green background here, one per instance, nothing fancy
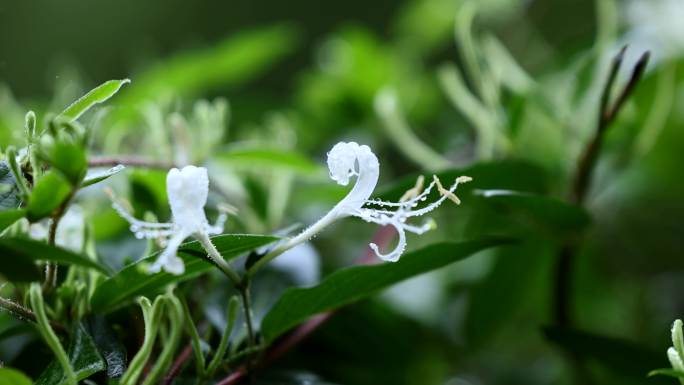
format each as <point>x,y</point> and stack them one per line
<point>507,90</point>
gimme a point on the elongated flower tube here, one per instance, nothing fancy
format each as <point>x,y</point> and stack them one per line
<point>349,159</point>
<point>187,191</point>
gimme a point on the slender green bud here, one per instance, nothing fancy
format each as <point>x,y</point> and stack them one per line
<point>38,306</point>
<point>30,125</point>
<point>231,316</point>
<point>678,338</point>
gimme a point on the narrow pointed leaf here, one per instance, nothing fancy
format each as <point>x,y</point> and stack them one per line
<point>546,211</point>
<point>98,177</point>
<point>666,372</point>
<point>513,175</point>
<point>108,344</point>
<point>31,251</point>
<point>269,158</point>
<point>355,283</point>
<point>83,355</point>
<point>97,95</point>
<point>8,217</point>
<point>134,280</point>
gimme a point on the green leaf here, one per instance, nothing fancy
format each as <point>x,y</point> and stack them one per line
<point>19,329</point>
<point>354,283</point>
<point>97,95</point>
<point>620,356</point>
<point>84,358</point>
<point>9,376</point>
<point>267,158</point>
<point>134,280</point>
<point>666,372</point>
<point>236,60</point>
<point>505,287</point>
<point>68,158</point>
<point>23,249</point>
<point>108,345</point>
<point>9,192</point>
<point>50,191</point>
<point>18,268</point>
<point>547,212</point>
<point>513,175</point>
<point>100,176</point>
<point>8,217</point>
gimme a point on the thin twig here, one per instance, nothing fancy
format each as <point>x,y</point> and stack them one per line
<point>177,364</point>
<point>51,268</point>
<point>25,314</point>
<point>585,167</point>
<point>130,161</point>
<point>607,115</point>
<point>245,298</point>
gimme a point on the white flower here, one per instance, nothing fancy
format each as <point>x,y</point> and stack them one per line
<point>349,159</point>
<point>187,190</point>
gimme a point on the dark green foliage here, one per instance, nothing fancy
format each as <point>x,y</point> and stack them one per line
<point>84,356</point>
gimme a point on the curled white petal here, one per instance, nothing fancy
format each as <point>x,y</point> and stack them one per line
<point>351,159</point>
<point>393,255</point>
<point>345,159</point>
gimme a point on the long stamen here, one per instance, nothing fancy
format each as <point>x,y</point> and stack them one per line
<point>449,194</point>
<point>415,191</point>
<point>445,195</point>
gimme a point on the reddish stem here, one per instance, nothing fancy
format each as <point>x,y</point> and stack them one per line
<point>178,365</point>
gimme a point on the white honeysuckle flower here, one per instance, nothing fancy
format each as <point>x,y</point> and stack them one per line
<point>349,159</point>
<point>187,191</point>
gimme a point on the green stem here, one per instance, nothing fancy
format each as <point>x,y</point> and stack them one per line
<point>217,259</point>
<point>231,316</point>
<point>242,285</point>
<point>51,267</point>
<point>247,309</point>
<point>165,358</point>
<point>25,314</point>
<point>394,122</point>
<point>38,305</point>
<point>195,340</point>
<point>151,316</point>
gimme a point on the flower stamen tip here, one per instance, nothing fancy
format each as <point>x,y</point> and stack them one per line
<point>414,191</point>
<point>450,195</point>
